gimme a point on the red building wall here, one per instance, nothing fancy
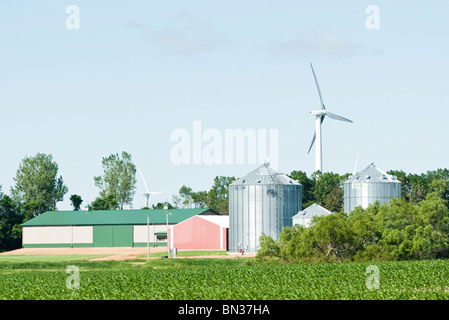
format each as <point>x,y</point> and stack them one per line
<point>198,234</point>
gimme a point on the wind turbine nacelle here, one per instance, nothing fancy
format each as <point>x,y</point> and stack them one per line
<point>318,112</point>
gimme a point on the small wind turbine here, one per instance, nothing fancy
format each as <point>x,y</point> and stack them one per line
<point>320,115</point>
<point>147,193</point>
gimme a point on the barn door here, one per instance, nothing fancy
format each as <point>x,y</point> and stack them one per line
<point>113,236</point>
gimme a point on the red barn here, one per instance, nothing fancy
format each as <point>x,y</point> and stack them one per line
<point>208,232</point>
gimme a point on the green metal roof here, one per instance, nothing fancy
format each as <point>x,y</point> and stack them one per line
<point>108,217</point>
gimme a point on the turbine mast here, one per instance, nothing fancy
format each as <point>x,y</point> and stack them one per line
<point>318,146</point>
<point>147,199</point>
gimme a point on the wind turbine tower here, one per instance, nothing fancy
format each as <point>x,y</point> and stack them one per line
<point>319,118</point>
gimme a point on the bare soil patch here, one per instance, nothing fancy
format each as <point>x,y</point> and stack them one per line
<point>112,253</point>
<point>117,254</point>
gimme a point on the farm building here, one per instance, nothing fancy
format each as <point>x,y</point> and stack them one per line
<point>305,216</point>
<point>200,232</point>
<point>104,228</point>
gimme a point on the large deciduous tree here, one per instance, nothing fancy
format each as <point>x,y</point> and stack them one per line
<point>118,179</point>
<point>37,185</point>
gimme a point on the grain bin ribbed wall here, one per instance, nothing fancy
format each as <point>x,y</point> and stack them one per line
<point>368,186</point>
<point>263,202</point>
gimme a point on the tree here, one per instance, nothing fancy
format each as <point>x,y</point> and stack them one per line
<point>218,195</point>
<point>76,202</point>
<point>37,185</point>
<point>190,199</point>
<point>215,199</point>
<point>10,220</point>
<point>402,177</point>
<point>104,203</point>
<point>416,187</point>
<point>199,199</point>
<point>269,249</point>
<point>161,205</point>
<point>325,189</point>
<point>176,200</point>
<point>308,185</point>
<point>334,199</point>
<point>33,208</point>
<point>400,230</point>
<point>440,174</point>
<point>119,179</point>
<point>186,196</point>
<point>326,184</point>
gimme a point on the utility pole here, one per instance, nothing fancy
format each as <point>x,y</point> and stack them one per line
<point>148,237</point>
<point>168,242</point>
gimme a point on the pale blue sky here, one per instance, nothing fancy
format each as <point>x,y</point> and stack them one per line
<point>137,70</point>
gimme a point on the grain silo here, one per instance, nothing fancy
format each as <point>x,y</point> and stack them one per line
<point>304,217</point>
<point>262,202</point>
<point>368,186</point>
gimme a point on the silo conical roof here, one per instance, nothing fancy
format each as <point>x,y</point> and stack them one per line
<point>264,175</point>
<point>371,174</point>
<point>314,210</point>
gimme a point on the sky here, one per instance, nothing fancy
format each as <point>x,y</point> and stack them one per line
<point>150,77</point>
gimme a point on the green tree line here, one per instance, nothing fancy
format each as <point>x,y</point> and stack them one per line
<point>400,230</point>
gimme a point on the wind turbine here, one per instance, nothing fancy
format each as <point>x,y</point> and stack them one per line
<point>147,193</point>
<point>320,115</point>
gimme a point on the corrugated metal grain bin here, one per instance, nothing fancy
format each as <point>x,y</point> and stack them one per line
<point>262,202</point>
<point>368,186</point>
<point>304,218</point>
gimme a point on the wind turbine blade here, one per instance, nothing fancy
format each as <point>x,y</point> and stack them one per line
<point>155,192</point>
<point>336,117</point>
<point>146,187</point>
<point>313,141</point>
<point>314,136</point>
<point>318,88</point>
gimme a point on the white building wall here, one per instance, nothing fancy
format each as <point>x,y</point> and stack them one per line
<point>302,222</point>
<point>140,232</point>
<point>57,234</point>
<point>83,234</point>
